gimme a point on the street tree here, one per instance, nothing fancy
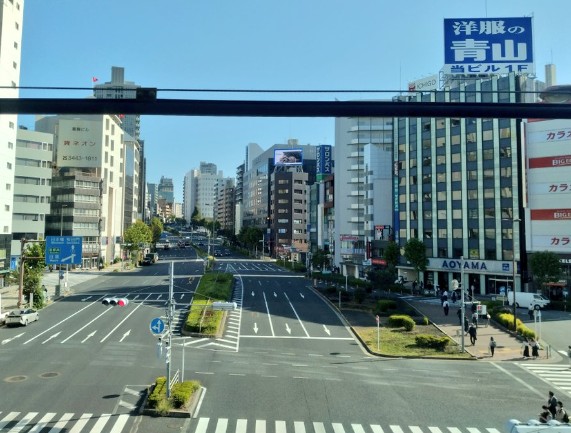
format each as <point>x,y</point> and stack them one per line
<point>250,236</point>
<point>136,236</point>
<point>415,254</point>
<point>320,259</point>
<point>34,266</point>
<point>157,229</point>
<point>392,254</point>
<point>545,267</point>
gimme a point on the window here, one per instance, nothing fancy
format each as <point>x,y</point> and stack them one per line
<point>473,213</point>
<point>457,214</point>
<point>489,193</point>
<point>457,195</point>
<point>9,165</point>
<point>441,177</point>
<point>8,187</point>
<point>7,207</point>
<point>427,214</point>
<point>441,196</point>
<point>472,156</point>
<point>489,212</point>
<point>442,214</point>
<point>488,154</point>
<point>457,233</point>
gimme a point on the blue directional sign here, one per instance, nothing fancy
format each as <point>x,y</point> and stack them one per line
<point>157,326</point>
<point>63,250</point>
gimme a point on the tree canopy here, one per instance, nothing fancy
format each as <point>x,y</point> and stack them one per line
<point>137,234</point>
<point>545,267</point>
<point>415,253</point>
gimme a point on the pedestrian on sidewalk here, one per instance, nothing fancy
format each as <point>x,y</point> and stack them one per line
<point>459,314</point>
<point>534,348</point>
<point>492,346</point>
<point>473,334</point>
<point>569,355</point>
<point>454,298</point>
<point>525,347</point>
<point>552,403</point>
<point>530,311</point>
<point>446,307</point>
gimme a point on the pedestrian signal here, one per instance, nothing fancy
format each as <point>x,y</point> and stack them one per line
<point>120,302</point>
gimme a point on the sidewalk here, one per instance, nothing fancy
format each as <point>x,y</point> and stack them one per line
<point>9,294</point>
<point>508,346</point>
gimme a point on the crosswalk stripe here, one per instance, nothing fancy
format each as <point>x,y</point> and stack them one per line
<point>83,419</point>
<point>100,423</point>
<point>318,427</point>
<point>222,425</point>
<point>281,427</point>
<point>260,426</point>
<point>59,426</point>
<point>7,419</point>
<point>299,427</point>
<point>492,430</point>
<point>396,429</point>
<point>43,422</point>
<point>454,430</point>
<point>23,422</point>
<point>415,429</point>
<point>120,423</point>
<point>241,426</point>
<point>473,430</point>
<point>358,428</point>
<point>338,428</point>
<point>202,425</point>
<point>376,428</point>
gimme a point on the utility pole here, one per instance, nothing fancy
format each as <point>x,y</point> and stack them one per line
<point>21,279</point>
<point>169,314</point>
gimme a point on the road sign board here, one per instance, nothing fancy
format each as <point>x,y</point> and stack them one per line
<point>157,326</point>
<point>62,250</point>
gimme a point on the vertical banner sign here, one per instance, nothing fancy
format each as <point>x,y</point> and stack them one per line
<point>488,46</point>
<point>323,161</point>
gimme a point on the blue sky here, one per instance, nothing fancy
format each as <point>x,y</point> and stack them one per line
<point>255,44</point>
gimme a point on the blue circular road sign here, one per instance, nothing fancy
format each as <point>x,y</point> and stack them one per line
<point>157,326</point>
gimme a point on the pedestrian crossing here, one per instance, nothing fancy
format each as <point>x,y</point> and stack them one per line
<point>558,375</point>
<point>225,425</point>
<point>52,422</point>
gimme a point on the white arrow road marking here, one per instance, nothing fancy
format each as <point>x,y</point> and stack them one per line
<point>126,317</point>
<point>86,299</point>
<point>288,329</point>
<point>255,327</point>
<point>302,296</point>
<point>159,297</point>
<point>275,295</point>
<point>269,315</point>
<point>135,298</point>
<point>296,315</point>
<point>181,296</point>
<point>87,324</point>
<point>13,338</point>
<point>252,293</point>
<point>88,337</point>
<point>51,338</point>
<point>125,335</point>
<point>326,330</point>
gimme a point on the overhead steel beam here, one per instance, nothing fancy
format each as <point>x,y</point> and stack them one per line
<point>246,108</point>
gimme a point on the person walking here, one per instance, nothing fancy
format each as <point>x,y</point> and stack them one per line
<point>446,307</point>
<point>525,347</point>
<point>569,355</point>
<point>492,346</point>
<point>534,348</point>
<point>473,334</point>
<point>454,297</point>
<point>560,413</point>
<point>552,403</point>
<point>530,311</point>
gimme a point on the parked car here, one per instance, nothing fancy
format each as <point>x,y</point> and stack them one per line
<point>147,260</point>
<point>525,299</point>
<point>3,317</point>
<point>22,317</point>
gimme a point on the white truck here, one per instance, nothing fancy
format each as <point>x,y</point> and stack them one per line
<point>524,299</point>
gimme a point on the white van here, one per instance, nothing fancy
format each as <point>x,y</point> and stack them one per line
<point>524,299</point>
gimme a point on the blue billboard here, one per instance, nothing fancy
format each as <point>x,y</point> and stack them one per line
<point>63,250</point>
<point>323,159</point>
<point>488,46</point>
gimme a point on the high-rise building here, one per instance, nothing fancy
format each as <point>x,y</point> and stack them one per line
<point>11,22</point>
<point>200,187</point>
<point>459,188</point>
<point>165,200</point>
<point>225,204</point>
<point>88,183</point>
<point>132,205</point>
<point>32,187</point>
<point>363,173</point>
<point>119,88</point>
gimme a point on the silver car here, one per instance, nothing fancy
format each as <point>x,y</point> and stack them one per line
<point>22,317</point>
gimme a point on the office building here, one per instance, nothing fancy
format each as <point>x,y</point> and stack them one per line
<point>11,21</point>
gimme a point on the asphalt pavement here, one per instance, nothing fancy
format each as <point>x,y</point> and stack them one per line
<point>509,346</point>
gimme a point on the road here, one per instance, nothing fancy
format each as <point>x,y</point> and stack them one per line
<point>286,362</point>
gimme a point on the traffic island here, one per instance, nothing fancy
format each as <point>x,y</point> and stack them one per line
<point>182,403</point>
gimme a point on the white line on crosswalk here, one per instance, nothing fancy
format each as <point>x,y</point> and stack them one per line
<point>80,423</point>
<point>241,426</point>
<point>59,426</point>
<point>376,428</point>
<point>222,425</point>
<point>260,426</point>
<point>23,422</point>
<point>43,422</point>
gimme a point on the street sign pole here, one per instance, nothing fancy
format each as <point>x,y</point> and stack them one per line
<point>378,333</point>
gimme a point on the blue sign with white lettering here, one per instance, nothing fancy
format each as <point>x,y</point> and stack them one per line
<point>63,250</point>
<point>488,46</point>
<point>157,326</point>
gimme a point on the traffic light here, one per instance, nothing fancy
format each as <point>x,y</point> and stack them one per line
<point>120,302</point>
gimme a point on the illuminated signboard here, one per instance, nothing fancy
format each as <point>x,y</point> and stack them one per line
<point>288,157</point>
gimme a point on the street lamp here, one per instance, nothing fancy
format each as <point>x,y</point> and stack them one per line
<point>514,267</point>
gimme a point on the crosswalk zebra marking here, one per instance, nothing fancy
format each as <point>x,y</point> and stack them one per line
<point>83,419</point>
<point>377,429</point>
<point>202,425</point>
<point>222,425</point>
<point>299,427</point>
<point>23,422</point>
<point>241,426</point>
<point>44,421</point>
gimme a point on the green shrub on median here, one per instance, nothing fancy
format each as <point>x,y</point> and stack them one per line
<point>385,305</point>
<point>401,321</point>
<point>431,341</point>
<point>181,393</point>
<point>507,320</point>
